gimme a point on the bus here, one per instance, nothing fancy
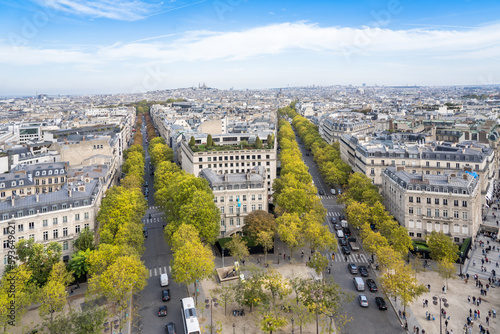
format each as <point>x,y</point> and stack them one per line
<point>189,318</point>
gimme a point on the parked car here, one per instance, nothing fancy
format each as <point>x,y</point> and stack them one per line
<point>321,192</point>
<point>343,242</point>
<point>363,301</point>
<point>371,285</point>
<point>347,231</point>
<point>145,231</point>
<point>162,311</point>
<point>352,268</point>
<point>165,295</point>
<point>380,303</point>
<point>346,250</point>
<point>146,184</point>
<point>170,328</point>
<point>363,271</point>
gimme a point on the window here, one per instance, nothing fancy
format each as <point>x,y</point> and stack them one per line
<point>65,245</point>
<point>455,203</point>
<point>445,213</point>
<point>410,210</point>
<point>464,215</point>
<point>418,199</point>
<point>231,221</point>
<point>253,197</point>
<point>222,199</point>
<point>31,225</point>
<point>231,210</point>
<point>65,219</point>
<point>45,223</point>
<point>77,216</point>
<point>429,212</point>
<point>458,165</point>
<point>427,164</point>
<point>456,228</point>
<point>86,226</point>
<point>230,198</point>
<point>253,207</point>
<point>45,235</point>
<point>54,221</point>
<point>238,221</point>
<point>86,215</point>
<point>215,199</point>
<point>221,209</point>
<point>244,197</point>
<point>428,200</point>
<point>244,208</point>
<point>464,204</point>
<point>55,233</point>
<point>6,244</point>
<point>410,199</point>
<point>436,213</point>
<point>260,206</point>
<point>445,201</point>
<point>32,236</point>
<point>65,231</point>
<point>372,171</point>
<point>438,164</point>
<point>419,211</point>
<point>77,229</point>
<point>455,214</point>
<point>260,197</point>
<point>436,201</point>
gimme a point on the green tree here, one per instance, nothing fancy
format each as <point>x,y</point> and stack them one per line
<point>258,221</point>
<point>192,262</point>
<point>446,270</point>
<point>290,231</point>
<point>210,141</point>
<point>85,240</point>
<point>266,240</point>
<point>238,248</point>
<point>225,294</point>
<point>17,301</point>
<point>258,143</point>
<point>192,141</point>
<point>272,321</point>
<point>274,282</point>
<point>250,292</point>
<point>38,258</point>
<point>79,264</point>
<point>89,321</point>
<point>442,247</point>
<point>358,214</point>
<point>318,262</point>
<point>270,141</point>
<point>53,293</point>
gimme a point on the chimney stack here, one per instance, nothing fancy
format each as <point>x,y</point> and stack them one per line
<point>37,198</point>
<point>69,192</point>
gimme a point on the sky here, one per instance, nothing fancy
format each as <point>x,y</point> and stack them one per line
<point>129,46</point>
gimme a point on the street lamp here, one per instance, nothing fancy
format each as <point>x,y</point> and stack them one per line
<point>208,304</point>
<point>234,328</point>
<point>293,330</point>
<point>222,257</point>
<point>445,301</point>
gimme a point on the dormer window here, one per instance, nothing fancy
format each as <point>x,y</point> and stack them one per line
<point>37,174</point>
<point>13,183</point>
<point>2,185</point>
<point>56,172</point>
<point>50,172</point>
<point>21,182</point>
<point>62,171</point>
<point>43,173</point>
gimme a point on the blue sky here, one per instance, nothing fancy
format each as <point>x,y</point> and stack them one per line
<point>125,46</point>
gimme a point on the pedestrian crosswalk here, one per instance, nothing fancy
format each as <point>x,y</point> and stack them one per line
<point>154,208</point>
<point>157,271</point>
<point>151,221</point>
<point>333,214</point>
<point>326,197</point>
<point>352,258</point>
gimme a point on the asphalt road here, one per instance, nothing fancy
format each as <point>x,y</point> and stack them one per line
<point>368,320</point>
<point>156,257</point>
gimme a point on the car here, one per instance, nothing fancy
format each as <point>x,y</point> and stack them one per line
<point>363,271</point>
<point>371,285</point>
<point>321,192</point>
<point>162,311</point>
<point>363,301</point>
<point>352,268</point>
<point>342,217</point>
<point>334,220</point>
<point>347,231</point>
<point>346,250</point>
<point>170,328</point>
<point>343,242</point>
<point>165,295</point>
<point>380,303</point>
<point>145,231</point>
<point>146,184</point>
<point>307,153</point>
<point>152,173</point>
<point>337,227</point>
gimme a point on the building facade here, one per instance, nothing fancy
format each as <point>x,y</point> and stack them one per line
<point>59,216</point>
<point>333,126</point>
<point>236,195</point>
<point>448,203</point>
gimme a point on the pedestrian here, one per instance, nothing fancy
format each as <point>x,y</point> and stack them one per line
<point>423,303</point>
<point>478,314</point>
<point>487,320</point>
<point>423,331</point>
<point>468,299</point>
<point>406,325</point>
<point>404,315</point>
<point>474,263</point>
<point>71,292</point>
<point>429,287</point>
<point>418,329</point>
<point>467,275</point>
<point>473,299</point>
<point>446,324</point>
<point>284,256</point>
<point>346,258</point>
<point>414,330</point>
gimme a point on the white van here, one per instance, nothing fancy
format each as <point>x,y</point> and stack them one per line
<point>340,234</point>
<point>359,284</point>
<point>164,279</point>
<point>332,191</point>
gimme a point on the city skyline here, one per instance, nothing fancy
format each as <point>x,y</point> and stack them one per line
<point>113,46</point>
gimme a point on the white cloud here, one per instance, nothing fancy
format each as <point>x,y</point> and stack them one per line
<point>128,10</point>
<point>478,43</point>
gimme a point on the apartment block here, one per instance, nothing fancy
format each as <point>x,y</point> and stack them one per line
<point>236,195</point>
<point>448,203</point>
